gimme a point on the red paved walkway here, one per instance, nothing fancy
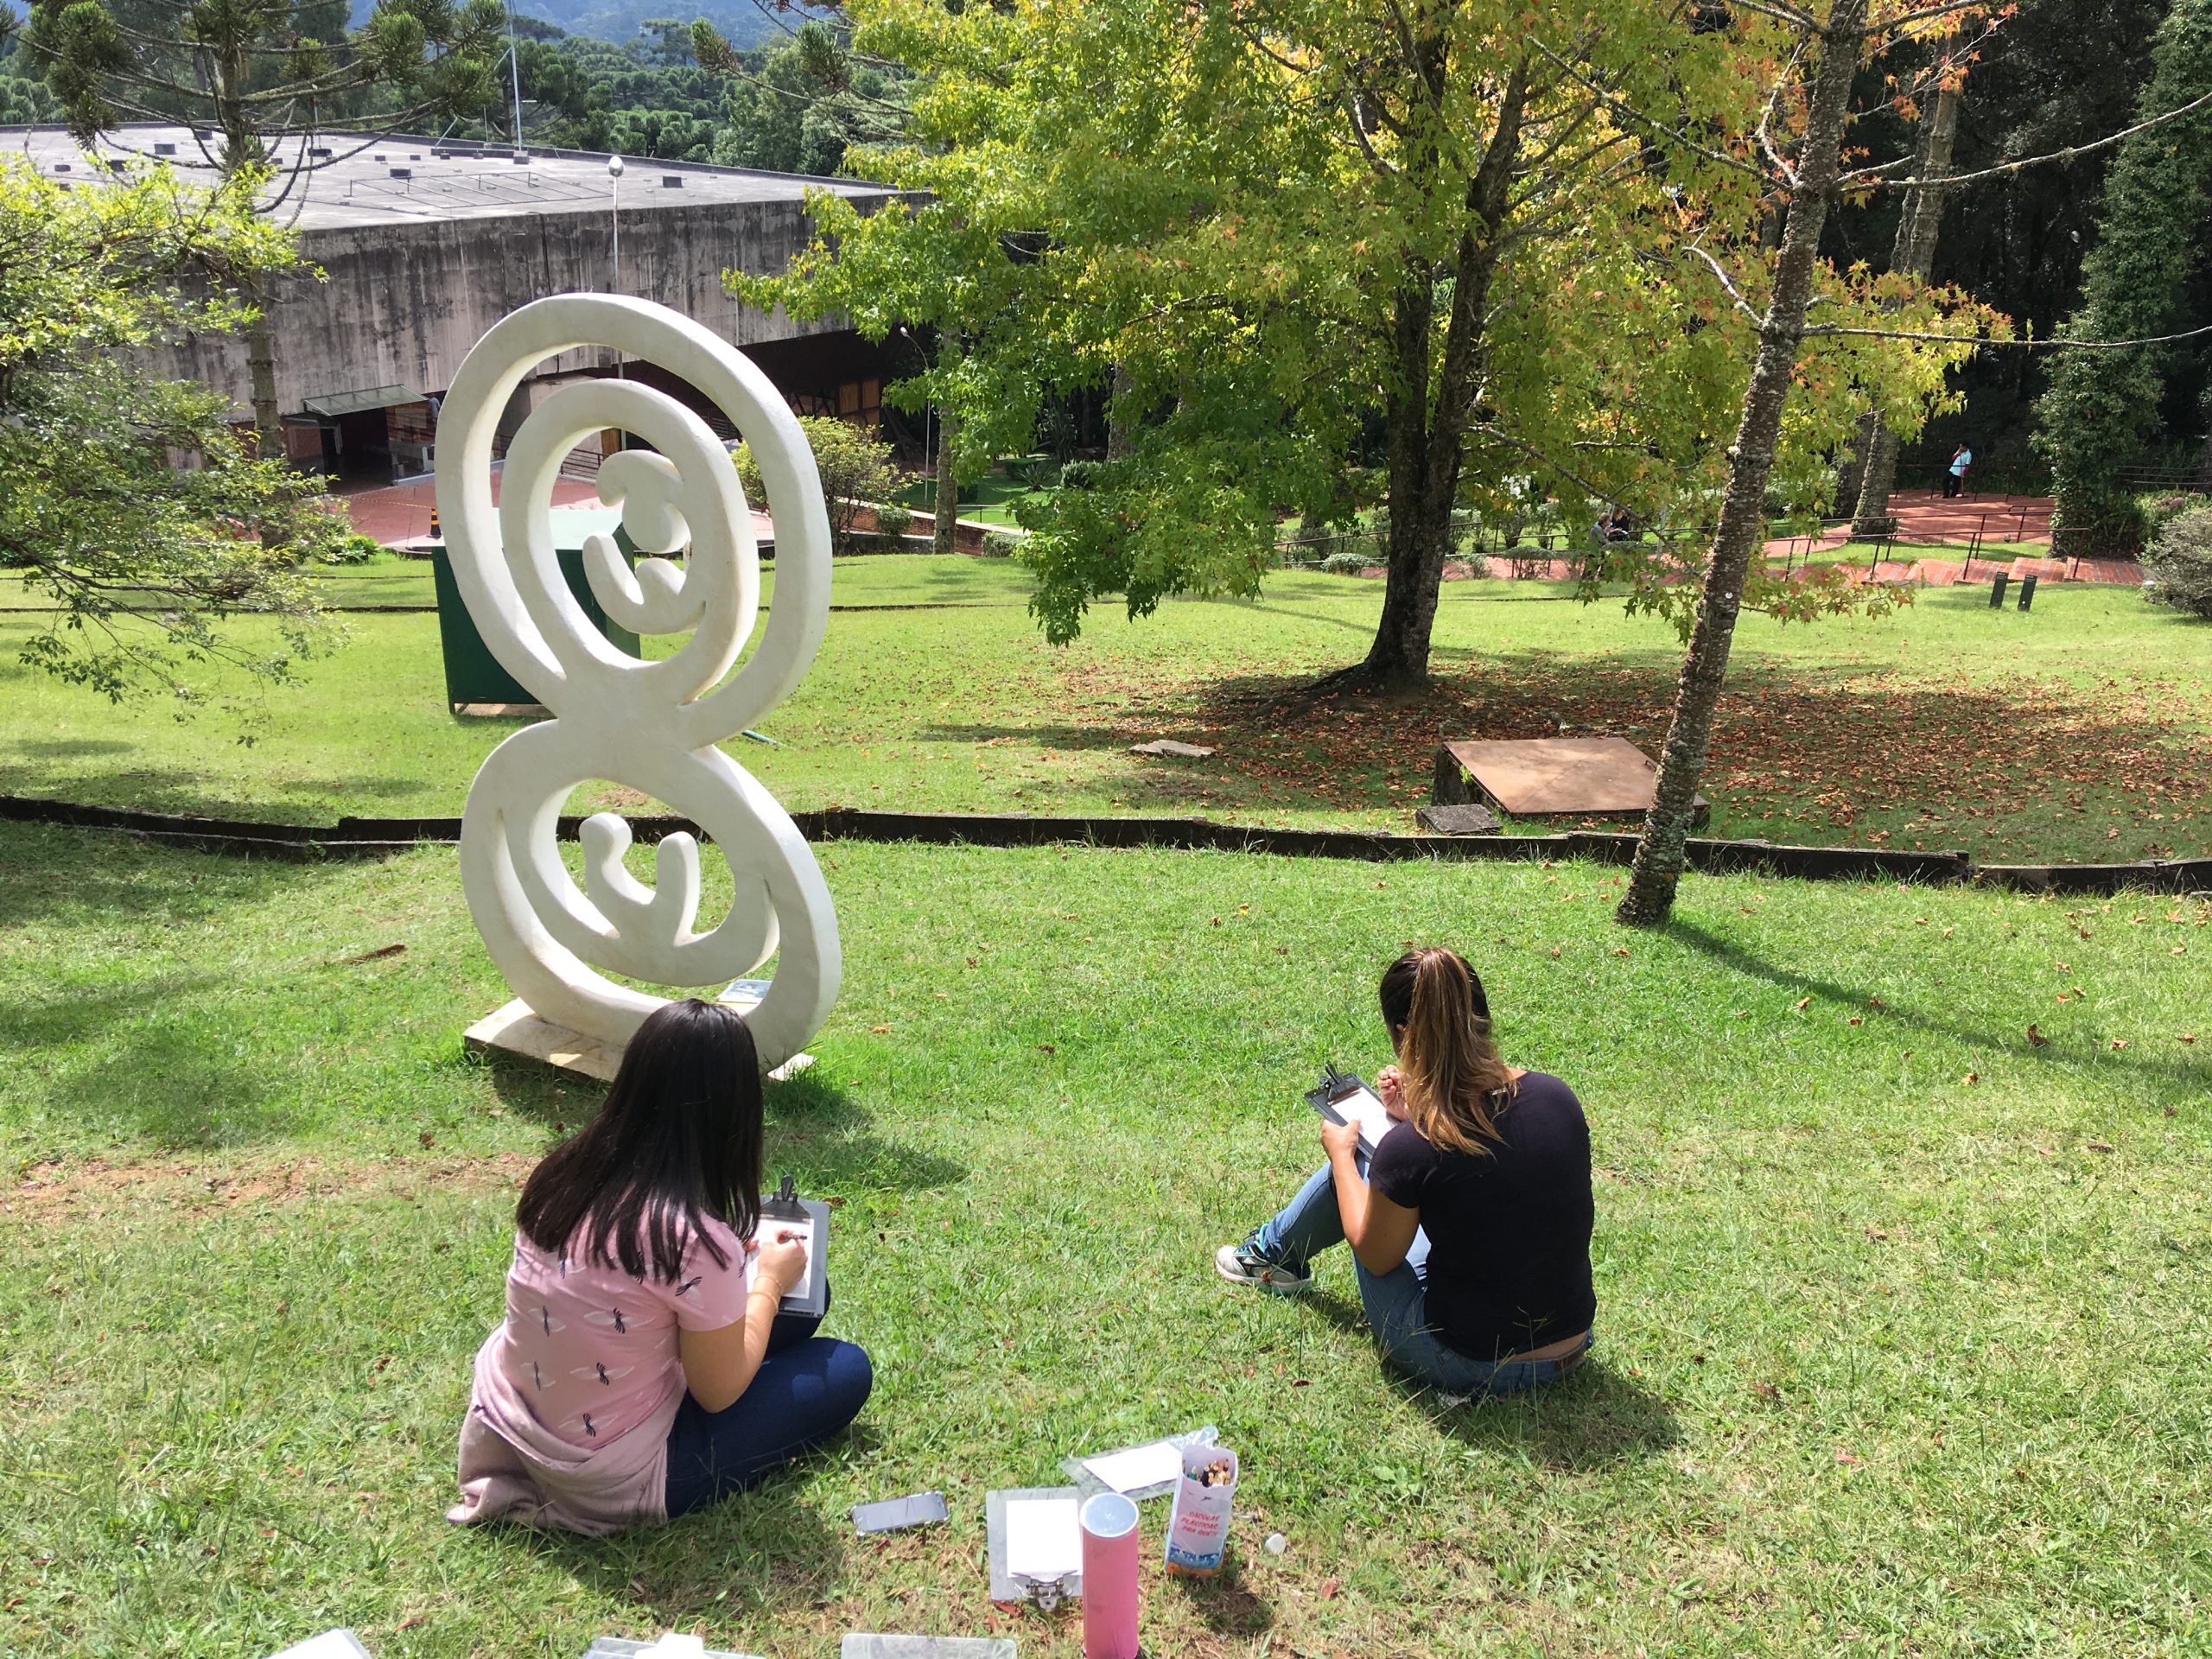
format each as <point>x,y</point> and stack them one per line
<point>398,515</point>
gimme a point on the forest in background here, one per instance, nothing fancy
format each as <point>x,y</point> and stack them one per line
<point>792,99</point>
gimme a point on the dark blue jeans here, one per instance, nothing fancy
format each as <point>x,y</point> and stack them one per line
<point>808,1387</point>
<point>1396,1302</point>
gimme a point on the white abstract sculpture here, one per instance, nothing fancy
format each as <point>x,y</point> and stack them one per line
<point>652,725</point>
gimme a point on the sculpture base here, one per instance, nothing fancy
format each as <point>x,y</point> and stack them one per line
<point>514,1031</point>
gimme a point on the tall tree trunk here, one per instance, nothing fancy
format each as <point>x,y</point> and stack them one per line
<point>1660,850</point>
<point>1914,255</point>
<point>1119,419</point>
<point>261,368</point>
<point>1426,416</point>
<point>945,506</point>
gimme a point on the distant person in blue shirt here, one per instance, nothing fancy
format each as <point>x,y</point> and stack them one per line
<point>1955,482</point>
<point>1470,1228</point>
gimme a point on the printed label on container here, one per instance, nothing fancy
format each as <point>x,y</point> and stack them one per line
<point>1197,1530</point>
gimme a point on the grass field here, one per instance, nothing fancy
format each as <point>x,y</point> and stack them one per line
<point>2076,732</point>
<point>1901,1311</point>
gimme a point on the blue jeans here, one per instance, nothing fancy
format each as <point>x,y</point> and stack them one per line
<point>807,1389</point>
<point>1396,1302</point>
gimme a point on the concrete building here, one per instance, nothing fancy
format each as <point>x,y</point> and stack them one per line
<point>424,245</point>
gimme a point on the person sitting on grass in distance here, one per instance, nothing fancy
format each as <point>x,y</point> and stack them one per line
<point>1470,1231</point>
<point>643,1370</point>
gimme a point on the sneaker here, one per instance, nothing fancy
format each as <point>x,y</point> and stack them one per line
<point>1244,1264</point>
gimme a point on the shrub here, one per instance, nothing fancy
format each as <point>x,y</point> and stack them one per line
<point>1001,545</point>
<point>354,548</point>
<point>854,467</point>
<point>1346,564</point>
<point>893,520</point>
<point>2177,566</point>
<point>1080,475</point>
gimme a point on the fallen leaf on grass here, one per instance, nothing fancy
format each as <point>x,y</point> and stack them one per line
<point>1846,1458</point>
<point>1803,1003</point>
<point>2099,1146</point>
<point>1852,1021</point>
<point>1876,1002</point>
<point>383,951</point>
<point>1328,1589</point>
<point>2118,1043</point>
<point>879,1030</point>
<point>2037,1039</point>
<point>2189,1037</point>
<point>1620,950</point>
<point>428,1139</point>
<point>1046,1048</point>
<point>1971,1077</point>
<point>1555,952</point>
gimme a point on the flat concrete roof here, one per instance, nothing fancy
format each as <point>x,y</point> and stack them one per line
<point>368,179</point>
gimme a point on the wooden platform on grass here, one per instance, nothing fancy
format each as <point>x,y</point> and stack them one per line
<point>516,1033</point>
<point>1550,777</point>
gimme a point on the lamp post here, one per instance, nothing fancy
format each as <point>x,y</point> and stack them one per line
<point>614,221</point>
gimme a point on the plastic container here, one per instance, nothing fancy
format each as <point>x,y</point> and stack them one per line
<point>1197,1531</point>
<point>1109,1577</point>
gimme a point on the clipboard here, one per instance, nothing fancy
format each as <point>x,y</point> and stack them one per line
<point>1006,1586</point>
<point>1344,1097</point>
<point>810,1296</point>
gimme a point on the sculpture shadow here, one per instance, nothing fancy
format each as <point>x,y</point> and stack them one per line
<point>818,1132</point>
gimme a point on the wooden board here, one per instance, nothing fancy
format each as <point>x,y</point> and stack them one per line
<point>1557,776</point>
<point>515,1032</point>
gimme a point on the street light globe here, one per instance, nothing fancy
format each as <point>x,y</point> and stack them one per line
<point>614,166</point>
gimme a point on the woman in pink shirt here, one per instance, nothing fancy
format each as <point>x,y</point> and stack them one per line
<point>643,1370</point>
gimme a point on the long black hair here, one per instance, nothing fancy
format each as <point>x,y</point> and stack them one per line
<point>678,1139</point>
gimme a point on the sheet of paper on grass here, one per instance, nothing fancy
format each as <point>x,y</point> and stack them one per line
<point>1043,1538</point>
<point>1138,1467</point>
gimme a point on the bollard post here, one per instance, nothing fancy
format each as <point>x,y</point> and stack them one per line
<point>2027,591</point>
<point>1997,588</point>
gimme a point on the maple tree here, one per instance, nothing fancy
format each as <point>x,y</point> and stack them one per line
<point>1322,261</point>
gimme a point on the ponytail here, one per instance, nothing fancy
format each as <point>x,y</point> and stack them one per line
<point>1456,1087</point>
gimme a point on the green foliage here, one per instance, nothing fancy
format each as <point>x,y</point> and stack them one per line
<point>254,72</point>
<point>351,549</point>
<point>2177,566</point>
<point>1345,564</point>
<point>1002,544</point>
<point>1183,206</point>
<point>893,520</point>
<point>855,470</point>
<point>2103,408</point>
<point>800,106</point>
<point>145,561</point>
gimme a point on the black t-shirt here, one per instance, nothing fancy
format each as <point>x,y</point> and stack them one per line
<point>1508,1233</point>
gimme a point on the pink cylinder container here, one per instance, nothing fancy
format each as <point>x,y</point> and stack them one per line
<point>1109,1577</point>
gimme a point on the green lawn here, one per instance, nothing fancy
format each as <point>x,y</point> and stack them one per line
<point>2075,732</point>
<point>1902,1314</point>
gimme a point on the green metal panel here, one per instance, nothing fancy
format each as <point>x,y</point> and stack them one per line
<point>473,673</point>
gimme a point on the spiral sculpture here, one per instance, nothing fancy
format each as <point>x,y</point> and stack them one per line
<point>650,725</point>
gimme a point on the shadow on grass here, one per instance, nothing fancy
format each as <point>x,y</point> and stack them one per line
<point>765,1549</point>
<point>2179,1078</point>
<point>142,788</point>
<point>817,1133</point>
<point>1227,1604</point>
<point>1597,1414</point>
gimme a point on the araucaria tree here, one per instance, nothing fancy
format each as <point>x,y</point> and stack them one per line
<point>147,563</point>
<point>1318,254</point>
<point>260,79</point>
<point>2102,405</point>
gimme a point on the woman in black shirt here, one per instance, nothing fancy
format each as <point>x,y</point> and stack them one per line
<point>1470,1231</point>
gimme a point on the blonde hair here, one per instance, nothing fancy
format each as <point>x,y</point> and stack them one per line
<point>1456,1087</point>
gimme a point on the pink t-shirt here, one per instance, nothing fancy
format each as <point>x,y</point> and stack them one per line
<point>594,1350</point>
